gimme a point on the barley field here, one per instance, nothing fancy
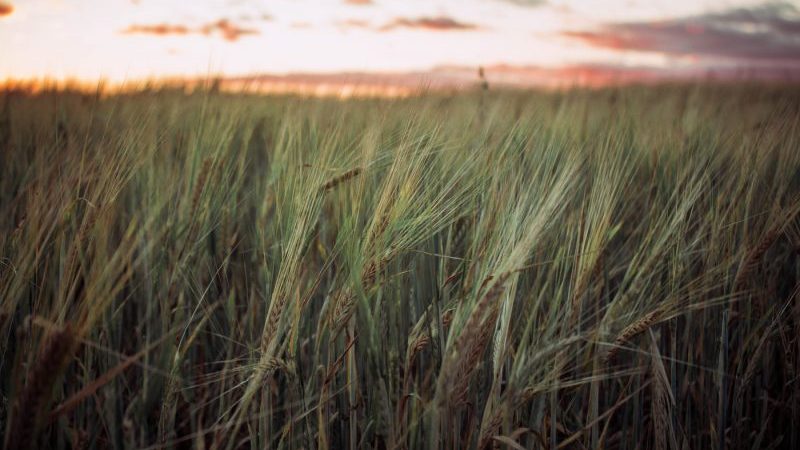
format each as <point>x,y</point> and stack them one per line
<point>613,268</point>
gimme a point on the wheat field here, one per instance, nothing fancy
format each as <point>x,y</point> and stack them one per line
<point>613,268</point>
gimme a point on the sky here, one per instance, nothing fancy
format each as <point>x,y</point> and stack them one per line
<point>122,40</point>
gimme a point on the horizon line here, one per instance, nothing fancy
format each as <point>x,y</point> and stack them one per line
<point>440,78</point>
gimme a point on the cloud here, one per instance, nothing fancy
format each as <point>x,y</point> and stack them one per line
<point>359,2</point>
<point>228,30</point>
<point>769,33</point>
<point>526,2</point>
<point>160,29</point>
<point>353,23</point>
<point>440,23</point>
<point>263,17</point>
<point>6,9</point>
<point>222,27</point>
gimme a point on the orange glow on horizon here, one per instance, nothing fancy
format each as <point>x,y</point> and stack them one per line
<point>397,85</point>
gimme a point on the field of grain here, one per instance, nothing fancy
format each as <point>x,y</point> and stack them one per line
<point>614,268</point>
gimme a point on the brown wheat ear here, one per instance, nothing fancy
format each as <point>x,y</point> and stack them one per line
<point>754,256</point>
<point>34,397</point>
<point>339,179</point>
<point>630,332</point>
<point>473,341</point>
<point>199,187</point>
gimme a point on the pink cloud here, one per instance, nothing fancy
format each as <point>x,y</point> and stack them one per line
<point>440,23</point>
<point>228,30</point>
<point>223,27</point>
<point>160,29</point>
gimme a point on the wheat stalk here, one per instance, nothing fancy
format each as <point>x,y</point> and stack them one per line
<point>33,399</point>
<point>200,185</point>
<point>753,257</point>
<point>662,400</point>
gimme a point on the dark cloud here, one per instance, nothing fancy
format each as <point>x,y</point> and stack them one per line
<point>440,23</point>
<point>6,9</point>
<point>766,33</point>
<point>223,28</point>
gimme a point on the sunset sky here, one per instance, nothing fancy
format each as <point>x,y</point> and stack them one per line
<point>134,39</point>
